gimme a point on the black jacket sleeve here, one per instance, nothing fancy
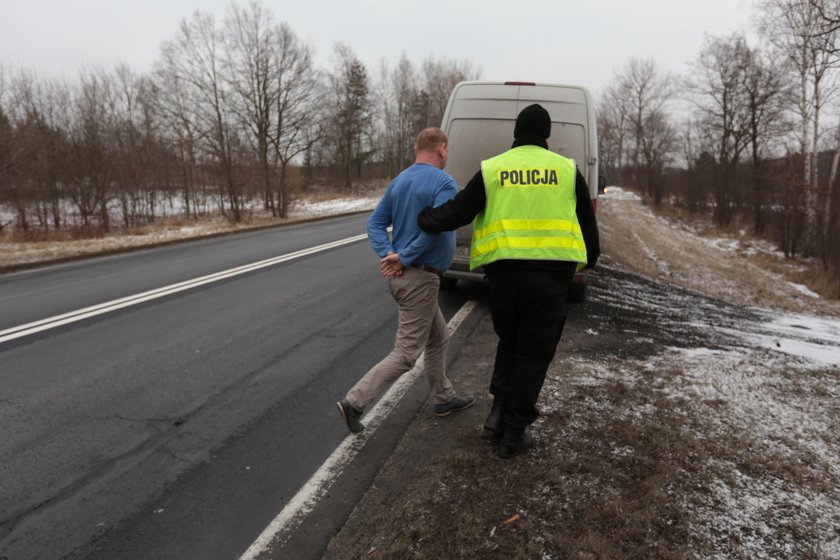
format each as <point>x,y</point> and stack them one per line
<point>586,218</point>
<point>459,211</point>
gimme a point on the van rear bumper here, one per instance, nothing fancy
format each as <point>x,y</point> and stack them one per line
<point>460,270</point>
<point>463,275</point>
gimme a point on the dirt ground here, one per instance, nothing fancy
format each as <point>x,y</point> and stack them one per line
<point>691,412</point>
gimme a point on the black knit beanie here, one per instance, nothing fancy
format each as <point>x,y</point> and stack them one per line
<point>533,120</point>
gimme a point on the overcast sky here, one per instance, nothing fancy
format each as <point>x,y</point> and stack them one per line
<point>582,42</point>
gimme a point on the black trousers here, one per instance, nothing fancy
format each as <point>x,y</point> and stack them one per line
<point>528,316</point>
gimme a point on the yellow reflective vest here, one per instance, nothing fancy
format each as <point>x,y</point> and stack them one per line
<point>530,210</point>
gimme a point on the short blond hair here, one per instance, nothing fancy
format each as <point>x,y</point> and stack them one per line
<point>429,139</point>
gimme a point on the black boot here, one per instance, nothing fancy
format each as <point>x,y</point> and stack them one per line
<point>513,442</point>
<point>350,416</point>
<point>494,422</point>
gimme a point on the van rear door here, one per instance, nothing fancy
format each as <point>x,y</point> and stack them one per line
<point>479,121</point>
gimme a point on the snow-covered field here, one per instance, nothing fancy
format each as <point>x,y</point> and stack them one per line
<point>171,229</point>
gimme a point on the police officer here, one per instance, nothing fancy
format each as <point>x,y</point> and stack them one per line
<point>534,227</point>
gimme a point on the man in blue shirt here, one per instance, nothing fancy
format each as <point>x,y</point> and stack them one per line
<point>412,261</point>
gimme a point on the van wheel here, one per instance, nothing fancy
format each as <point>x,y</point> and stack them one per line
<point>447,283</point>
<point>576,292</point>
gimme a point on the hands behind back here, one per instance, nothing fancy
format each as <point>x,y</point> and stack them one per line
<point>390,265</point>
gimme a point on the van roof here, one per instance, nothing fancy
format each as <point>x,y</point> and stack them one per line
<point>481,100</point>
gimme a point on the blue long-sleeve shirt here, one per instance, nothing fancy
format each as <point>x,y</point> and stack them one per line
<point>417,187</point>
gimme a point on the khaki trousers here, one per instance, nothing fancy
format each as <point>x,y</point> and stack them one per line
<point>421,328</point>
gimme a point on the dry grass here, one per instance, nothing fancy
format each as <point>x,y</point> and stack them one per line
<point>734,268</point>
<point>580,493</point>
<point>622,468</point>
<point>17,250</point>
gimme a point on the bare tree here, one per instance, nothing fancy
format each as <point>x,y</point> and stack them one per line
<point>173,105</point>
<point>829,29</point>
<point>350,114</point>
<point>767,92</point>
<point>397,95</point>
<point>6,165</point>
<point>438,79</point>
<point>798,28</point>
<point>7,141</point>
<point>138,158</point>
<point>300,93</point>
<point>13,191</point>
<point>252,76</point>
<point>195,57</point>
<point>54,108</point>
<point>722,103</point>
<point>829,19</point>
<point>700,168</point>
<point>789,206</point>
<point>639,96</point>
<point>38,114</point>
<point>658,143</point>
<point>612,129</point>
<point>91,139</point>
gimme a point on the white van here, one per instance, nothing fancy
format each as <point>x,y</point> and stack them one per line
<point>479,122</point>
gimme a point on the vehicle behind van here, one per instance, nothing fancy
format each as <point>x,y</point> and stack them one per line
<point>479,121</point>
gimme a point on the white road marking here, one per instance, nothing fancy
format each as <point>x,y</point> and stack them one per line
<point>319,484</point>
<point>107,307</point>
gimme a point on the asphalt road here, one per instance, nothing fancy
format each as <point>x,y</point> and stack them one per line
<point>178,427</point>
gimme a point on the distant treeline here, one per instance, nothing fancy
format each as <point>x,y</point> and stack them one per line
<point>233,111</point>
<point>236,111</point>
<point>749,137</point>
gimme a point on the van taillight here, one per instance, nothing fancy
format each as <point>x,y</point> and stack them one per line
<point>595,204</point>
<point>520,83</point>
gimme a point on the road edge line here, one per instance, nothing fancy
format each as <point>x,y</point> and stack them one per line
<point>49,323</point>
<point>305,500</point>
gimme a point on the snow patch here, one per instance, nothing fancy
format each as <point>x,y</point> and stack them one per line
<point>813,339</point>
<point>804,290</point>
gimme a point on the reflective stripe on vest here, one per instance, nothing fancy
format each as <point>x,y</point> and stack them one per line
<point>530,211</point>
